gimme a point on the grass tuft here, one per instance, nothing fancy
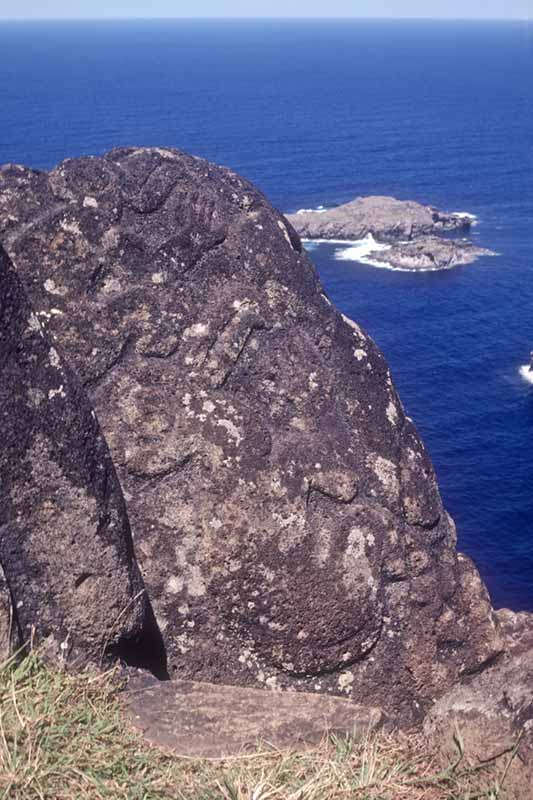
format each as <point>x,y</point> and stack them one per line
<point>63,737</point>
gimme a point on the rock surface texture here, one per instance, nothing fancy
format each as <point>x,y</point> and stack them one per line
<point>430,253</point>
<point>201,720</point>
<point>6,619</point>
<point>386,218</point>
<point>494,710</point>
<point>65,544</point>
<point>285,513</point>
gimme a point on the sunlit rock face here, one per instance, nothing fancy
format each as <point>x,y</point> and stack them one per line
<point>285,513</point>
<point>69,583</point>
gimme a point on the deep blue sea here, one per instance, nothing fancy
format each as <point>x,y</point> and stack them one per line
<point>317,113</point>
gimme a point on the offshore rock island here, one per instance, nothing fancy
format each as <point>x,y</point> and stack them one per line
<point>429,253</point>
<point>407,234</point>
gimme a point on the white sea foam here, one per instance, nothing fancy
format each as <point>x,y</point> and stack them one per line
<point>466,215</point>
<point>358,250</point>
<point>317,210</point>
<point>361,249</point>
<point>525,373</point>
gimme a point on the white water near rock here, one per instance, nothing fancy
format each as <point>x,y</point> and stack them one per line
<point>525,373</point>
<point>466,215</point>
<point>361,249</point>
<point>317,210</point>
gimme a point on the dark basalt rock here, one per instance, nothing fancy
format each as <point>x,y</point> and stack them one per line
<point>493,710</point>
<point>285,513</point>
<point>69,574</point>
<point>7,637</point>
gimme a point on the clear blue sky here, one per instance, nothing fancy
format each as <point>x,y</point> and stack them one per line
<point>31,9</point>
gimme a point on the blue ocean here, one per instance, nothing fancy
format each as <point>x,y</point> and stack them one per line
<point>316,113</point>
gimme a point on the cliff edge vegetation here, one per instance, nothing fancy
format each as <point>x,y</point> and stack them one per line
<point>64,736</point>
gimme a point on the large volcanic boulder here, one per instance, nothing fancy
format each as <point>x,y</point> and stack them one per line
<point>284,510</point>
<point>69,574</point>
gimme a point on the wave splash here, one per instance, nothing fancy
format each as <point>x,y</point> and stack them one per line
<point>525,373</point>
<point>361,249</point>
<point>317,210</point>
<point>466,215</point>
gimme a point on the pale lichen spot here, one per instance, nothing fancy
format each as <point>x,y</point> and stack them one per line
<point>159,277</point>
<point>90,202</point>
<point>34,324</point>
<point>54,358</point>
<point>298,423</point>
<point>386,473</point>
<point>359,354</point>
<point>345,681</point>
<point>56,393</point>
<point>356,566</point>
<point>71,226</point>
<point>232,430</point>
<point>196,331</point>
<point>323,546</point>
<point>162,622</point>
<point>184,643</point>
<point>52,288</point>
<point>352,324</point>
<point>174,585</point>
<point>195,581</point>
<point>285,232</point>
<point>312,381</point>
<point>238,305</point>
<point>392,413</point>
<point>36,396</point>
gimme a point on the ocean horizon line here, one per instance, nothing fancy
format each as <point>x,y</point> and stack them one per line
<point>311,18</point>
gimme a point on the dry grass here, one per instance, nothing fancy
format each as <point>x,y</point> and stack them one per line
<point>63,737</point>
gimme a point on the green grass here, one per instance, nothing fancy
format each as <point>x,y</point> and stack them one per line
<point>63,737</point>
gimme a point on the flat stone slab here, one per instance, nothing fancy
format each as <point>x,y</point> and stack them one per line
<point>206,721</point>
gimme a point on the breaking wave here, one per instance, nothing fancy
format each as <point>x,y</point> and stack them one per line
<point>317,210</point>
<point>361,250</point>
<point>466,215</point>
<point>525,373</point>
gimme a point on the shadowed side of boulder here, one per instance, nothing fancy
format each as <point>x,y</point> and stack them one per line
<point>7,627</point>
<point>202,720</point>
<point>65,544</point>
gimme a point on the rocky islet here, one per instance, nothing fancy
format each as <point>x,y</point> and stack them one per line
<point>408,235</point>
